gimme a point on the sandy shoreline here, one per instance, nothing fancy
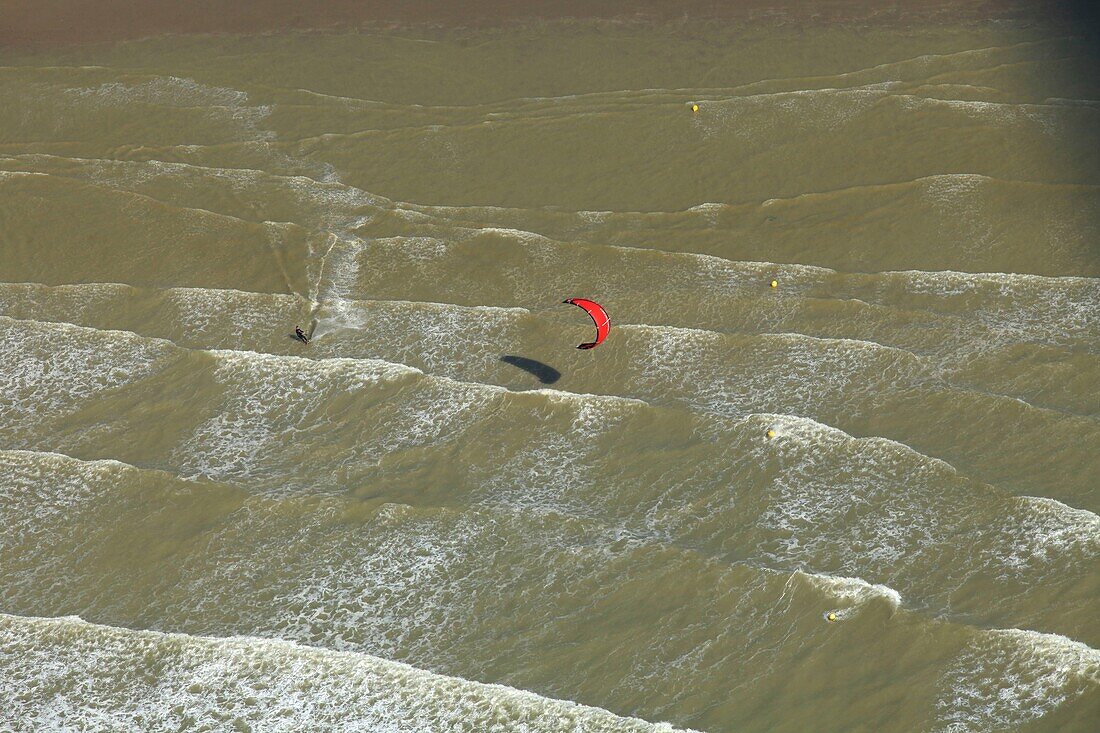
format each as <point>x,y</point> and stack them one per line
<point>43,23</point>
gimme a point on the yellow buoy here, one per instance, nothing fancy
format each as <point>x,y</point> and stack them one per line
<point>831,616</point>
<point>771,433</point>
<point>694,108</point>
<point>775,283</point>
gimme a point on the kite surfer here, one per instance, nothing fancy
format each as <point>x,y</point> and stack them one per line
<point>300,336</point>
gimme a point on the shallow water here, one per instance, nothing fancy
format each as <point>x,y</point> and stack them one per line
<point>261,535</point>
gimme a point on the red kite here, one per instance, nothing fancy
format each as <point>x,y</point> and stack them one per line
<point>599,317</point>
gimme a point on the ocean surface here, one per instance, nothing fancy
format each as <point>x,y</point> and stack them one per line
<point>864,499</point>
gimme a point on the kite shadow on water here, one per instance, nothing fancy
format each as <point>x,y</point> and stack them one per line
<point>544,372</point>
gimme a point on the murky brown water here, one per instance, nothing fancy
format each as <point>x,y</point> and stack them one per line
<point>440,479</point>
